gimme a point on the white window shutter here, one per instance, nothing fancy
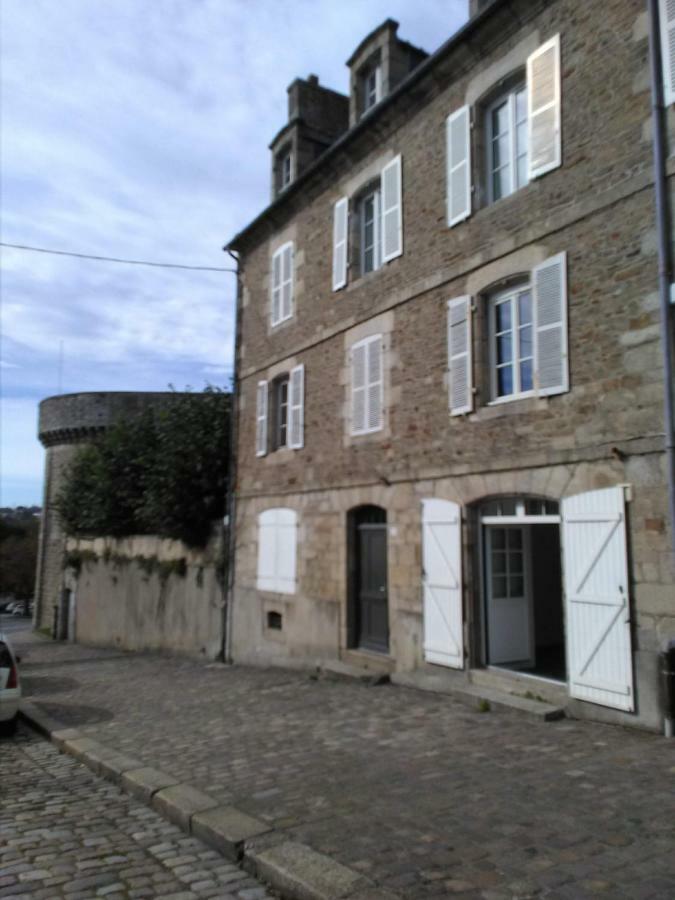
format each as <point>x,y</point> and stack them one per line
<point>667,25</point>
<point>375,385</point>
<point>296,407</point>
<point>277,550</point>
<point>358,388</point>
<point>460,356</point>
<point>458,128</point>
<point>276,288</point>
<point>266,580</point>
<point>392,210</point>
<point>442,583</point>
<point>543,108</point>
<point>287,281</point>
<point>261,420</point>
<point>340,243</point>
<point>549,286</point>
<point>597,607</point>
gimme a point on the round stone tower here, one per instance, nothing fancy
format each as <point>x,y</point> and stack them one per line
<point>66,422</point>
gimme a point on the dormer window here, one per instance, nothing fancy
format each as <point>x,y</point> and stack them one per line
<point>371,85</point>
<point>286,169</point>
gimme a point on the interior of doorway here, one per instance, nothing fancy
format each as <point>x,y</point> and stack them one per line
<point>523,589</point>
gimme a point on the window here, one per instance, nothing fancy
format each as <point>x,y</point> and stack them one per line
<point>506,135</point>
<point>277,550</point>
<point>282,284</point>
<point>286,169</point>
<point>511,343</point>
<point>370,223</point>
<point>281,406</point>
<point>280,401</point>
<point>371,87</point>
<point>367,385</point>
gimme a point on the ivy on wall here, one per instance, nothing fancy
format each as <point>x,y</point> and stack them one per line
<point>162,472</point>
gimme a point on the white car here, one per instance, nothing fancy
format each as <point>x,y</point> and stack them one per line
<point>10,687</point>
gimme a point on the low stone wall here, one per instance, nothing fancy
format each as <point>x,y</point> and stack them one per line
<point>145,593</point>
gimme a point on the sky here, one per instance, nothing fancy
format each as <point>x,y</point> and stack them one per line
<point>140,130</point>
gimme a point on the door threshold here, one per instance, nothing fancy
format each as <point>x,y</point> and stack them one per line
<point>521,684</point>
<point>519,673</point>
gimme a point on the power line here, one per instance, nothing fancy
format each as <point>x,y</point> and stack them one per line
<point>114,259</point>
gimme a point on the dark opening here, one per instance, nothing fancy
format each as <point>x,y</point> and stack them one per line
<point>368,608</point>
<point>274,620</point>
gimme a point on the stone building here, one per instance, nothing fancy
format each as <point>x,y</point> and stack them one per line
<point>450,383</point>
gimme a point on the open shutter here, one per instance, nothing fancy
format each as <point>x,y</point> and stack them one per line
<point>442,583</point>
<point>597,610</point>
<point>287,281</point>
<point>340,216</point>
<point>267,551</point>
<point>296,390</point>
<point>460,374</point>
<point>276,288</point>
<point>458,128</point>
<point>549,283</point>
<point>261,420</point>
<point>543,108</point>
<point>359,388</point>
<point>667,17</point>
<point>375,384</point>
<point>392,211</point>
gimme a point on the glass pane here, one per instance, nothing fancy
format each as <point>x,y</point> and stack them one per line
<point>368,265</point>
<point>499,184</point>
<point>500,120</point>
<point>525,338</point>
<point>524,308</point>
<point>498,563</point>
<point>508,506</point>
<point>515,538</point>
<point>521,171</point>
<point>504,349</point>
<point>504,381</point>
<point>521,106</point>
<point>491,508</point>
<point>516,586</point>
<point>526,380</point>
<point>533,507</point>
<point>498,538</point>
<point>499,586</point>
<point>516,563</point>
<point>503,316</point>
<point>501,152</point>
<point>551,507</point>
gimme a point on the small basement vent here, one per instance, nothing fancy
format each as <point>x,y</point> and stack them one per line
<point>274,620</point>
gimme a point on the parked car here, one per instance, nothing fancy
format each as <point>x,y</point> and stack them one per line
<point>10,687</point>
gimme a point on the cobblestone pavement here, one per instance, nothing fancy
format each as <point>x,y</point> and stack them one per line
<point>66,833</point>
<point>424,796</point>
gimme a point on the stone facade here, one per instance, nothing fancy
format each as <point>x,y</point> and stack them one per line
<point>597,207</point>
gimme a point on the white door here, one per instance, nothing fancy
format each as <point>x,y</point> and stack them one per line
<point>597,610</point>
<point>509,606</point>
<point>442,583</point>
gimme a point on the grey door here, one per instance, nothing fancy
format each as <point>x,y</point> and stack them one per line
<point>371,607</point>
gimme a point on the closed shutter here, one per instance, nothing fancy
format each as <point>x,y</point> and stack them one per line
<point>543,108</point>
<point>287,282</point>
<point>597,609</point>
<point>276,288</point>
<point>460,374</point>
<point>375,385</point>
<point>442,583</point>
<point>392,211</point>
<point>277,550</point>
<point>261,419</point>
<point>359,352</point>
<point>549,284</point>
<point>296,390</point>
<point>458,129</point>
<point>667,16</point>
<point>340,216</point>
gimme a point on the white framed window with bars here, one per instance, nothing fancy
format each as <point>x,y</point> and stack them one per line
<point>367,385</point>
<point>511,330</point>
<point>506,128</point>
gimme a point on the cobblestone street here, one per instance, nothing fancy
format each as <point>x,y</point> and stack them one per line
<point>426,797</point>
<point>66,833</point>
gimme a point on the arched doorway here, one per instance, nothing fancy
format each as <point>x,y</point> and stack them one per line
<point>368,608</point>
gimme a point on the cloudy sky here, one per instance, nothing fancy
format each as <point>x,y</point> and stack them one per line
<point>140,129</point>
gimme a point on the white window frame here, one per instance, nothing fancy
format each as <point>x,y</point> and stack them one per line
<point>280,287</point>
<point>277,406</point>
<point>508,97</point>
<point>367,385</point>
<point>376,195</point>
<point>511,294</point>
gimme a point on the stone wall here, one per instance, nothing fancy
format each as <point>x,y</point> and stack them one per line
<point>146,593</point>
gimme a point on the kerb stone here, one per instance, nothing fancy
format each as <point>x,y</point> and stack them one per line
<point>144,782</point>
<point>180,802</point>
<point>227,829</point>
<point>296,870</point>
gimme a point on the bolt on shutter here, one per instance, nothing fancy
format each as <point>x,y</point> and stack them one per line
<point>359,388</point>
<point>375,384</point>
<point>276,288</point>
<point>261,420</point>
<point>392,211</point>
<point>543,108</point>
<point>460,369</point>
<point>458,133</point>
<point>442,583</point>
<point>597,610</point>
<point>667,25</point>
<point>277,550</point>
<point>296,391</point>
<point>340,231</point>
<point>549,284</point>
<point>287,281</point>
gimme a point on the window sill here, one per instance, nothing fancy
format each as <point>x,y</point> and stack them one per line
<point>512,398</point>
<point>513,406</point>
<point>280,323</point>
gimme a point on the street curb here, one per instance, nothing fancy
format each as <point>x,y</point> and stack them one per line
<point>293,870</point>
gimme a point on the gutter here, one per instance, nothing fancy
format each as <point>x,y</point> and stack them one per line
<point>663,227</point>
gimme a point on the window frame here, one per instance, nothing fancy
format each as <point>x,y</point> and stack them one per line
<point>507,96</point>
<point>290,281</point>
<point>510,294</point>
<point>278,409</point>
<point>373,192</point>
<point>370,71</point>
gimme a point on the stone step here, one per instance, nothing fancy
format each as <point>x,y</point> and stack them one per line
<point>510,682</point>
<point>476,696</point>
<point>337,669</point>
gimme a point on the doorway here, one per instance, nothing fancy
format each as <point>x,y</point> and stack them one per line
<point>368,609</point>
<point>523,595</point>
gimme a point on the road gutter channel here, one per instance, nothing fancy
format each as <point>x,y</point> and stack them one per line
<point>292,869</point>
